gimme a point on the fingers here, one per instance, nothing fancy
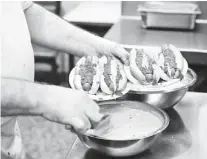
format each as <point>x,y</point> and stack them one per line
<point>94,116</point>
<point>92,109</point>
<point>121,53</point>
<point>110,48</point>
<point>79,124</point>
<point>86,119</point>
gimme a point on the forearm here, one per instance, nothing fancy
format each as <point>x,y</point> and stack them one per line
<point>20,97</point>
<point>49,30</point>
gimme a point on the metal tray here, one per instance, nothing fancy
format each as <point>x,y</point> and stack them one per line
<point>174,15</point>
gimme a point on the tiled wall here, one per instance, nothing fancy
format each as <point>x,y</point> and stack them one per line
<point>130,7</point>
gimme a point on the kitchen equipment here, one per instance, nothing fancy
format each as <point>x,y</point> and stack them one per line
<point>125,147</point>
<point>177,15</point>
<point>163,97</point>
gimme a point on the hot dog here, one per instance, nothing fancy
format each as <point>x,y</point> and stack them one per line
<point>112,77</point>
<point>142,67</point>
<point>87,74</point>
<point>171,61</point>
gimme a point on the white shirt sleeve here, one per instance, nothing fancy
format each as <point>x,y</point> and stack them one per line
<point>26,4</point>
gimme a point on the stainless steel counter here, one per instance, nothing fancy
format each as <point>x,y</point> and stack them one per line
<point>130,33</point>
<point>183,139</point>
<point>193,44</point>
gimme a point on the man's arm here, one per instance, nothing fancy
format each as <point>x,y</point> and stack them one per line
<point>57,104</point>
<point>49,30</point>
<point>20,97</point>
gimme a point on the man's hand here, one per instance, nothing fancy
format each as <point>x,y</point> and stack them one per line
<point>57,104</point>
<point>107,47</point>
<point>70,107</point>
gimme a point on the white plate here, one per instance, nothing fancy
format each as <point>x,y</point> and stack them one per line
<point>100,96</point>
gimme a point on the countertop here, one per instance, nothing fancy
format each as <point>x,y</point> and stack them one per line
<point>95,13</point>
<point>129,33</point>
<point>185,137</point>
<point>193,44</point>
<point>188,130</point>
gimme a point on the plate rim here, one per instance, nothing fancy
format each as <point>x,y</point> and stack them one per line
<point>190,71</point>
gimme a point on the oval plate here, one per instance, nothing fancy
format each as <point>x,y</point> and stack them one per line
<point>100,96</point>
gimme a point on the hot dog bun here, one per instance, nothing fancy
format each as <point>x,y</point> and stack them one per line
<point>112,77</point>
<point>87,74</point>
<point>121,79</point>
<point>129,75</point>
<point>171,61</point>
<point>143,67</point>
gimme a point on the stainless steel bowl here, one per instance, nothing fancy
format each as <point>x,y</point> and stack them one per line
<point>129,147</point>
<point>163,99</point>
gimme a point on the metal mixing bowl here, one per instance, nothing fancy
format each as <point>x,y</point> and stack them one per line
<point>131,146</point>
<point>163,99</point>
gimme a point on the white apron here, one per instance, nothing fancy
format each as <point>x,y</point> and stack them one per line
<point>17,61</point>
